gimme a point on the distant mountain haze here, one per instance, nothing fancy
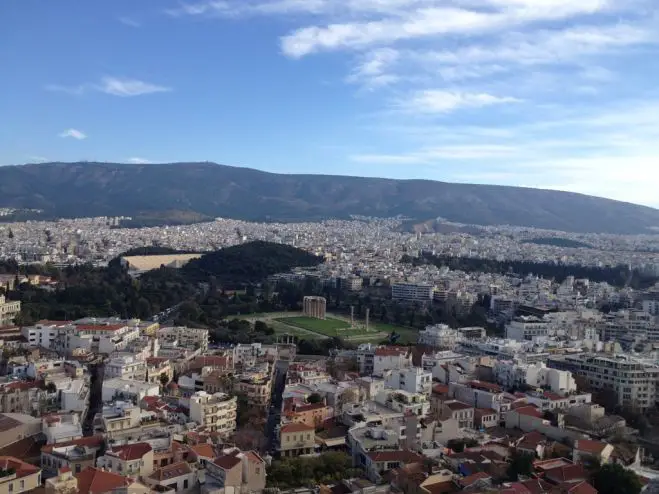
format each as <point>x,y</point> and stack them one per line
<point>210,190</point>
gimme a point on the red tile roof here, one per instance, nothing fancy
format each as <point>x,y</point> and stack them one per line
<point>530,411</point>
<point>536,486</point>
<point>391,456</point>
<point>21,468</point>
<point>485,386</point>
<point>204,449</point>
<point>574,488</point>
<point>101,327</point>
<point>589,446</point>
<point>457,405</point>
<point>391,351</point>
<point>567,473</point>
<point>21,385</point>
<point>47,322</point>
<point>296,428</point>
<point>171,471</point>
<point>441,488</point>
<point>131,452</point>
<point>440,389</point>
<point>254,457</point>
<point>227,462</point>
<point>91,442</point>
<point>95,481</point>
<point>553,396</point>
<point>309,407</point>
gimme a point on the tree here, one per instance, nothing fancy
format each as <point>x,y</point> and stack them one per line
<point>260,327</point>
<point>164,379</point>
<point>314,398</point>
<point>615,479</point>
<point>520,464</point>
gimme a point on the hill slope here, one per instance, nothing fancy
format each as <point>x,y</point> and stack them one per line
<point>97,189</point>
<point>249,263</point>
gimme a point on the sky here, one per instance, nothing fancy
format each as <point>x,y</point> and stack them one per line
<point>558,94</point>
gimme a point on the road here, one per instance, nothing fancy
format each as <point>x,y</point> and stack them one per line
<point>274,413</point>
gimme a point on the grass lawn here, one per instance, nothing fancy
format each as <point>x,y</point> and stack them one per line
<point>327,327</point>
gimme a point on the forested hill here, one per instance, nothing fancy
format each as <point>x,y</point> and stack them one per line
<point>89,291</point>
<point>249,263</point>
<point>181,192</point>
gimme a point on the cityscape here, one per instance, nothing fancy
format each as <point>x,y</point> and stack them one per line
<point>329,247</point>
<point>372,357</point>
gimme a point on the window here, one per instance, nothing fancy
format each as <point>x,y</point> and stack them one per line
<point>77,468</point>
<point>22,485</point>
<point>185,484</point>
<point>11,487</point>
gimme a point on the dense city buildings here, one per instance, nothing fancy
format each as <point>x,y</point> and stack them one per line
<point>422,376</point>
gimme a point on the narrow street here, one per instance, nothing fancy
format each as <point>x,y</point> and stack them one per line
<point>274,413</point>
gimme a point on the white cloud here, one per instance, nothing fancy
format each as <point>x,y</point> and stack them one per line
<point>442,101</point>
<point>129,87</point>
<point>130,22</point>
<point>74,133</point>
<point>373,69</point>
<point>115,86</point>
<point>419,24</point>
<point>139,161</point>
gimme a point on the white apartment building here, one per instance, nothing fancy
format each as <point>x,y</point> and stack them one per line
<point>432,360</point>
<point>412,292</point>
<point>247,354</point>
<point>217,412</point>
<point>390,357</point>
<point>44,333</point>
<point>8,311</point>
<point>410,379</point>
<point>185,337</point>
<point>126,367</point>
<point>527,328</point>
<point>127,389</point>
<point>439,336</point>
<point>480,394</point>
<point>404,402</point>
<point>510,374</point>
<point>633,379</point>
<point>65,337</point>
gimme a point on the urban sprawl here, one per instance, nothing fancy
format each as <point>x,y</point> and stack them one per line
<point>556,391</point>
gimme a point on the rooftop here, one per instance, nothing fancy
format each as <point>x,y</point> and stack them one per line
<point>96,481</point>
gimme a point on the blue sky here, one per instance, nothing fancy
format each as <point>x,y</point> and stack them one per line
<point>542,93</point>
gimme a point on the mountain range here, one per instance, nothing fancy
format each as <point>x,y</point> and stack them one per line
<point>205,190</point>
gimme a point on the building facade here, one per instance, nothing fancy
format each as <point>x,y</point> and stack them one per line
<point>217,412</point>
<point>8,311</point>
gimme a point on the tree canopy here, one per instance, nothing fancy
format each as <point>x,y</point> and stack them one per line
<point>327,468</point>
<point>615,479</point>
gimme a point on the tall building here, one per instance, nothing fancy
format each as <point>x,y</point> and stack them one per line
<point>412,292</point>
<point>633,380</point>
<point>314,307</point>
